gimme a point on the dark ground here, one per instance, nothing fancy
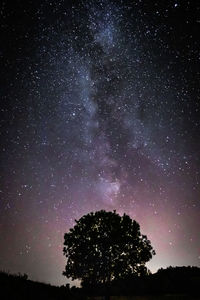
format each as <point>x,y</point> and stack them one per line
<point>178,283</point>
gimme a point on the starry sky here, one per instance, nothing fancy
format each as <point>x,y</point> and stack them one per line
<point>99,110</point>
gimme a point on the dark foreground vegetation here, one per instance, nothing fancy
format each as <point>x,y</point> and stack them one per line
<point>171,281</point>
<point>19,287</point>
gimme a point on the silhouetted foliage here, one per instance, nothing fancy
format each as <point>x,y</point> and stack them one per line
<point>18,287</point>
<point>173,280</point>
<point>176,282</point>
<point>104,246</point>
<point>178,279</point>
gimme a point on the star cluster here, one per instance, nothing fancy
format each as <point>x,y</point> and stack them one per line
<point>99,110</point>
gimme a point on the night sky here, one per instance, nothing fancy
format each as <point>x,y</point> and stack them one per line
<point>99,110</point>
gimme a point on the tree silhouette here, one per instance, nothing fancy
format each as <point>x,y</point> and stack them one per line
<point>103,246</point>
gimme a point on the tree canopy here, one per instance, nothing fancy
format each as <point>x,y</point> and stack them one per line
<point>104,246</point>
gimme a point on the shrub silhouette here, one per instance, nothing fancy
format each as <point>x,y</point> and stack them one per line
<point>18,287</point>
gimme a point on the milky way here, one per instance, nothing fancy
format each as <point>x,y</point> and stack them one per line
<point>99,110</point>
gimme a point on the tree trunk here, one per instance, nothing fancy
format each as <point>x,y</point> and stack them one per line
<point>107,292</point>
